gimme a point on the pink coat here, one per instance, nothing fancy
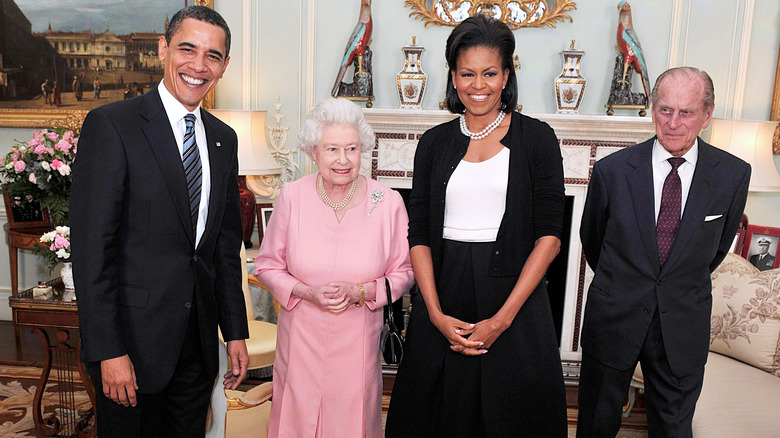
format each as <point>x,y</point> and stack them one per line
<point>327,374</point>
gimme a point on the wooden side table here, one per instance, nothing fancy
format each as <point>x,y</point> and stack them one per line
<point>61,316</point>
<point>20,239</point>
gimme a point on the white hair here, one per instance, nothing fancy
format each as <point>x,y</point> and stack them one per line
<point>334,112</point>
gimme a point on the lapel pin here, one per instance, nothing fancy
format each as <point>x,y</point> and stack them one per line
<point>219,145</point>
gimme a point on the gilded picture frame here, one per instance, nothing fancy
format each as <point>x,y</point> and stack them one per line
<point>515,13</point>
<point>72,118</point>
<point>775,113</point>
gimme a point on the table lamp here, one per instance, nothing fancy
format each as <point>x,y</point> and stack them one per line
<point>254,159</point>
<point>750,140</point>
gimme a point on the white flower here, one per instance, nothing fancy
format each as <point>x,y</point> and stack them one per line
<point>48,237</point>
<point>10,165</point>
<point>64,170</point>
<point>46,166</point>
<point>63,253</point>
<point>65,231</point>
<point>32,178</point>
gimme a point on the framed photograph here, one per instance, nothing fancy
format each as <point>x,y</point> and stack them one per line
<point>761,247</point>
<point>263,216</point>
<point>24,211</point>
<point>65,61</point>
<point>739,242</point>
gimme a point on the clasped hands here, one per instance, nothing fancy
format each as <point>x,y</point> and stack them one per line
<point>467,338</point>
<point>334,297</point>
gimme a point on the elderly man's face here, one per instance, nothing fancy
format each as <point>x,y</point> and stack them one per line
<point>763,248</point>
<point>680,113</point>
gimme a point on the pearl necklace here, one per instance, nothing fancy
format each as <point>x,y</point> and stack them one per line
<point>336,206</point>
<point>485,132</point>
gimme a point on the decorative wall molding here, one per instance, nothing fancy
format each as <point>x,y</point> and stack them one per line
<point>674,34</point>
<point>744,56</point>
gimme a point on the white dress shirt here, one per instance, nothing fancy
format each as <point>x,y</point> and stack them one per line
<point>176,112</point>
<point>661,169</point>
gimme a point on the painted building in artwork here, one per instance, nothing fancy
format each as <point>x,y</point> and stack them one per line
<point>88,51</point>
<point>26,58</point>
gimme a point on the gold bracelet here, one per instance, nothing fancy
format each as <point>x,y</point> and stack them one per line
<point>362,296</point>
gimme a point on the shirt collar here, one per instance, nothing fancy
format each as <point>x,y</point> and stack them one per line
<point>175,110</point>
<point>660,154</point>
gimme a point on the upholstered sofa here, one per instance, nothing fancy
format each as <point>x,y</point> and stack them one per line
<point>741,392</point>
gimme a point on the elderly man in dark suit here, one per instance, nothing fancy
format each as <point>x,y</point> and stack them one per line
<point>156,235</point>
<point>763,260</point>
<point>681,199</point>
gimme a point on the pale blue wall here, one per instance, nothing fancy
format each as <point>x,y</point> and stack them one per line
<point>275,63</point>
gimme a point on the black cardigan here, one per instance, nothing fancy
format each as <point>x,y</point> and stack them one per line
<point>535,195</point>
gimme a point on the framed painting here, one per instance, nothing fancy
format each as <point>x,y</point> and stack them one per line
<point>25,211</point>
<point>263,216</point>
<point>761,247</point>
<point>65,60</point>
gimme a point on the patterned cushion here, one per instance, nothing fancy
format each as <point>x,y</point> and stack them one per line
<point>746,314</point>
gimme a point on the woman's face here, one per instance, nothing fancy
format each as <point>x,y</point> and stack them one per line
<point>479,80</point>
<point>338,154</point>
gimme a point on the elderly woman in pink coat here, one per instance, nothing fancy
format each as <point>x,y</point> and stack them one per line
<point>332,240</point>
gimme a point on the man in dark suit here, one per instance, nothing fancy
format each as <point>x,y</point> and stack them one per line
<point>156,234</point>
<point>763,260</point>
<point>680,201</point>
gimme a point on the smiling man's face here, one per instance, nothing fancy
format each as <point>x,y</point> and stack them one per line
<point>194,60</point>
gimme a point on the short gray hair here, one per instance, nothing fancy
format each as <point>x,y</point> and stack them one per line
<point>334,112</point>
<point>709,88</point>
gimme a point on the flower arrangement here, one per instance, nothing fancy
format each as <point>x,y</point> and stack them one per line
<point>54,246</point>
<point>42,168</point>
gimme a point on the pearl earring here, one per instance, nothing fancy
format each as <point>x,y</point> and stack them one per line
<point>454,87</point>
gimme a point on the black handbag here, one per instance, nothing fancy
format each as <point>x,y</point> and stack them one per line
<point>391,344</point>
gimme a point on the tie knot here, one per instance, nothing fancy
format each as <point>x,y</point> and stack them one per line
<point>189,121</point>
<point>676,162</point>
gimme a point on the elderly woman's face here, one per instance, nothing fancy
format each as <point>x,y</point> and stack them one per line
<point>479,79</point>
<point>338,154</point>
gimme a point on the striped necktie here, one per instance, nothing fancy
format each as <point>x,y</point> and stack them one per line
<point>670,212</point>
<point>192,169</point>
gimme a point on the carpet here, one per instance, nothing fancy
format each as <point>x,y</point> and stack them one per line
<point>17,389</point>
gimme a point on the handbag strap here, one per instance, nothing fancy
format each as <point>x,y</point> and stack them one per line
<point>389,307</point>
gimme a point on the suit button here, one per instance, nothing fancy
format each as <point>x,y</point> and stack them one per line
<point>195,258</point>
<point>646,310</point>
<point>497,252</point>
<point>187,305</point>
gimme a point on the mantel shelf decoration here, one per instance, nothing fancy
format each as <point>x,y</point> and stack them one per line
<point>570,85</point>
<point>515,13</point>
<point>411,80</point>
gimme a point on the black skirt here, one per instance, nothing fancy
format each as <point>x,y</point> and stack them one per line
<point>514,390</point>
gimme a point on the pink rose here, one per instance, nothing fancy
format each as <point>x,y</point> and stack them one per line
<point>64,170</point>
<point>67,135</point>
<point>63,145</point>
<point>19,166</point>
<point>55,164</point>
<point>75,141</point>
<point>52,248</point>
<point>38,134</point>
<point>40,149</point>
<point>53,136</point>
<point>60,242</point>
<point>14,155</point>
<point>35,142</point>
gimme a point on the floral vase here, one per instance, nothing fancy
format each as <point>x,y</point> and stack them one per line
<point>66,274</point>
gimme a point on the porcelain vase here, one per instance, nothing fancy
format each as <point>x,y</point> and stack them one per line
<point>570,85</point>
<point>66,274</point>
<point>411,80</point>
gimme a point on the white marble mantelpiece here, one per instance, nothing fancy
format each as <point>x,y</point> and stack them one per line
<point>583,140</point>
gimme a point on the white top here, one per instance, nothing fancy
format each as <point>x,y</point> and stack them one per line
<point>476,199</point>
<point>176,112</point>
<point>661,169</point>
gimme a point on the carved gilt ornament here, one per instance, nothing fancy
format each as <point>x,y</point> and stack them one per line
<point>515,13</point>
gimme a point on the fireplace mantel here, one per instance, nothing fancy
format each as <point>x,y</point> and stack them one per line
<point>583,139</point>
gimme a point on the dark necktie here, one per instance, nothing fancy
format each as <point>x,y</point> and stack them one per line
<point>669,214</point>
<point>192,169</point>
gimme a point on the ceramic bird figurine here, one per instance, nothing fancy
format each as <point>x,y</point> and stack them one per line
<point>356,44</point>
<point>628,44</point>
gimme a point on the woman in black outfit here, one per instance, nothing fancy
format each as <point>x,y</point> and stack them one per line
<point>485,219</point>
